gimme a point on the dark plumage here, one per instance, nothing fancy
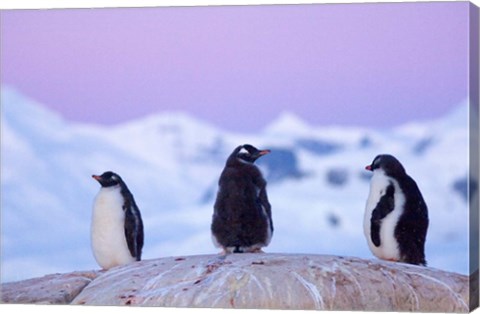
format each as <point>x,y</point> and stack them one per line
<point>383,208</point>
<point>397,211</point>
<point>242,217</point>
<point>133,225</point>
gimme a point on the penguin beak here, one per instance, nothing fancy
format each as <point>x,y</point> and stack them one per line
<point>264,152</point>
<point>369,167</point>
<point>96,177</point>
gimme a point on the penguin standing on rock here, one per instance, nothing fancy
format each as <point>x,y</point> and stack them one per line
<point>242,217</point>
<point>117,227</point>
<point>396,216</point>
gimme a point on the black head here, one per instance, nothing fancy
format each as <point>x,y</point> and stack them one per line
<point>108,179</point>
<point>387,163</point>
<point>248,153</point>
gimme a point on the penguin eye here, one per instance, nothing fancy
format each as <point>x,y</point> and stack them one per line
<point>114,179</point>
<point>376,163</point>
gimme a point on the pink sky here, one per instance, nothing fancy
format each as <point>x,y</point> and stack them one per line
<point>239,67</point>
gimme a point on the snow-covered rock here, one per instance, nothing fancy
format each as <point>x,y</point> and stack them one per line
<point>264,281</point>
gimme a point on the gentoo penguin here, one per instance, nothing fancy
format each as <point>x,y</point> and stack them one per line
<point>242,216</point>
<point>396,217</point>
<point>117,227</point>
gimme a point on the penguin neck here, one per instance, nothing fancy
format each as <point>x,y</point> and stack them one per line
<point>380,177</point>
<point>235,162</point>
<point>397,175</point>
<point>245,162</point>
<point>379,173</point>
<point>108,200</point>
<point>111,188</point>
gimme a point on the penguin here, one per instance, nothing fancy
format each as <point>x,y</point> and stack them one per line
<point>396,215</point>
<point>242,217</point>
<point>117,227</point>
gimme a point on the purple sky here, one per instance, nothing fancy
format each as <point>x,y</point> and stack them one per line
<point>239,67</point>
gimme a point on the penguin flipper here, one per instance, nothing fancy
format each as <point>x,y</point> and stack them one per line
<point>411,230</point>
<point>134,231</point>
<point>384,206</point>
<point>263,199</point>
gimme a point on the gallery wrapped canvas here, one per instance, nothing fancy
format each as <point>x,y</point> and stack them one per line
<point>177,100</point>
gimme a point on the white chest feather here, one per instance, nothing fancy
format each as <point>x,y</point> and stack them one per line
<point>108,232</point>
<point>388,248</point>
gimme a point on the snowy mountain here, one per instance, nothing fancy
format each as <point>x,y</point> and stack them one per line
<point>171,163</point>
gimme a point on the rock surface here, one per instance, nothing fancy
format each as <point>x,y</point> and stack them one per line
<point>50,289</point>
<point>261,281</point>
